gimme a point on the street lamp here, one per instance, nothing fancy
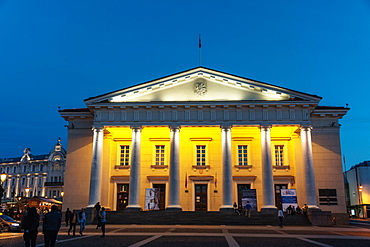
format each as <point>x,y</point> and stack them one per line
<point>27,190</point>
<point>3,177</point>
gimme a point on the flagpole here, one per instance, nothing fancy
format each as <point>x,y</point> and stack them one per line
<point>200,50</point>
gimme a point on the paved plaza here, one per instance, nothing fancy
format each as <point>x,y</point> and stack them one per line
<point>215,236</point>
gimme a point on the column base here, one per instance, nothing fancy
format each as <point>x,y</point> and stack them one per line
<point>269,210</point>
<point>133,208</point>
<point>174,208</point>
<point>226,208</point>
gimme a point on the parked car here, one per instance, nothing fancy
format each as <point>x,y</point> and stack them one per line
<point>10,224</point>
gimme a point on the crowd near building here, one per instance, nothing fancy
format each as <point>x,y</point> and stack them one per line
<point>198,139</point>
<point>34,175</point>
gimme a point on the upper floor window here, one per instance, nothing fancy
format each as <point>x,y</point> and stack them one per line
<point>41,167</point>
<point>159,155</point>
<point>125,156</point>
<point>14,169</point>
<point>279,155</point>
<point>201,155</point>
<point>242,155</point>
<point>7,170</point>
<point>23,181</point>
<point>33,168</point>
<point>24,168</point>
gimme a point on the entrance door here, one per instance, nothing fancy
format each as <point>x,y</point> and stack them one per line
<point>278,187</point>
<point>162,195</point>
<point>122,196</point>
<point>242,187</point>
<point>200,197</point>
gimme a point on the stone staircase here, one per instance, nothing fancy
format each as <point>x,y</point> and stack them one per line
<point>200,218</point>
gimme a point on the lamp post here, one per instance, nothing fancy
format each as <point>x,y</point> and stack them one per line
<point>27,190</point>
<point>2,178</point>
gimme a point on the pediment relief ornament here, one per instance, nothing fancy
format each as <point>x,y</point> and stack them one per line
<point>200,88</point>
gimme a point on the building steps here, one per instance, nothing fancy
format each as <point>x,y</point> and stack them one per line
<point>200,218</point>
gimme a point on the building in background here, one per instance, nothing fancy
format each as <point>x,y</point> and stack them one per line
<point>358,192</point>
<point>34,175</point>
<point>203,137</point>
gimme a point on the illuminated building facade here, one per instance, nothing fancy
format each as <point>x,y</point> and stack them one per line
<point>34,175</point>
<point>358,181</point>
<point>202,136</point>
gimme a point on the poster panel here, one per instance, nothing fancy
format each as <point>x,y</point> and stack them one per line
<point>251,197</point>
<point>288,198</point>
<point>152,199</point>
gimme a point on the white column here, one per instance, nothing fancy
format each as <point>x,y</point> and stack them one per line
<point>44,177</point>
<point>267,176</point>
<point>309,175</point>
<point>17,186</point>
<point>96,167</point>
<point>174,179</point>
<point>134,188</point>
<point>8,189</point>
<point>227,192</point>
<point>35,184</point>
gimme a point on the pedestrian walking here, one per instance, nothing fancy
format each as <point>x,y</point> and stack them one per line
<point>72,223</point>
<point>103,220</point>
<point>82,220</point>
<point>281,217</point>
<point>97,208</point>
<point>51,226</point>
<point>67,216</point>
<point>30,224</point>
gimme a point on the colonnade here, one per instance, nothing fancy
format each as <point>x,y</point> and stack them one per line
<point>174,169</point>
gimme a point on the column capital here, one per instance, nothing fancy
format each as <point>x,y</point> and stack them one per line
<point>136,127</point>
<point>97,128</point>
<point>226,127</point>
<point>174,127</point>
<point>265,127</point>
<point>306,127</point>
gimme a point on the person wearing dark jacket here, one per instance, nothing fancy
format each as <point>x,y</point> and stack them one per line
<point>67,216</point>
<point>51,226</point>
<point>30,223</point>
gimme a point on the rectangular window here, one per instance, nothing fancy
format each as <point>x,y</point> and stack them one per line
<point>279,155</point>
<point>14,169</point>
<point>24,168</point>
<point>242,155</point>
<point>201,155</point>
<point>125,156</point>
<point>159,155</point>
<point>328,197</point>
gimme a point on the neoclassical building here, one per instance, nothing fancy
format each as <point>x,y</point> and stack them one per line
<point>34,175</point>
<point>202,137</point>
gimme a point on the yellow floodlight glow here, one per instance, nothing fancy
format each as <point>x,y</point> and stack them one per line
<point>3,177</point>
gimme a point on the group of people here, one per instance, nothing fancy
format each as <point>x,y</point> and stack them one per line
<point>52,222</point>
<point>51,225</point>
<point>73,218</point>
<point>239,209</point>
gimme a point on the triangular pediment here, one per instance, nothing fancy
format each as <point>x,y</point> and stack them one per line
<point>202,84</point>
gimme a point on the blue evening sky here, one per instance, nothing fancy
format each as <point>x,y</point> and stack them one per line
<point>58,53</point>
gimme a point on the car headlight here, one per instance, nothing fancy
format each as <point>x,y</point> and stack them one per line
<point>15,224</point>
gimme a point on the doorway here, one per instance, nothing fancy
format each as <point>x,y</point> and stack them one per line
<point>162,195</point>
<point>200,197</point>
<point>278,201</point>
<point>122,196</point>
<point>242,187</point>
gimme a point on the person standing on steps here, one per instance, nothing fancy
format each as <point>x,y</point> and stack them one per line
<point>103,220</point>
<point>97,208</point>
<point>82,220</point>
<point>281,217</point>
<point>248,208</point>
